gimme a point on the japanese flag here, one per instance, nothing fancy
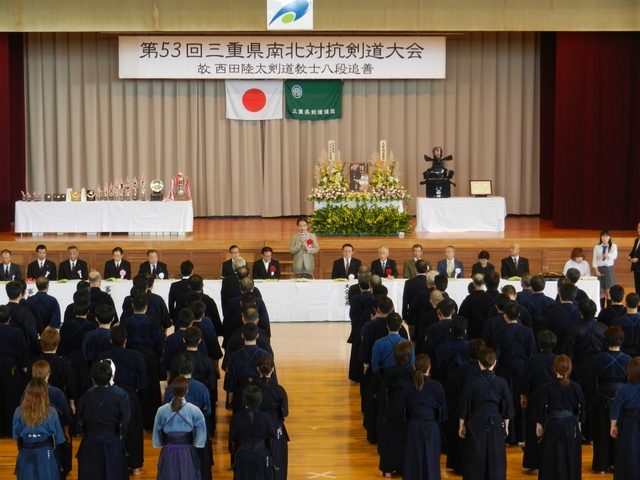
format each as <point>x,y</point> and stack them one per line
<point>254,99</point>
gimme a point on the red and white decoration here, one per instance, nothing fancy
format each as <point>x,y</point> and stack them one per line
<point>254,99</point>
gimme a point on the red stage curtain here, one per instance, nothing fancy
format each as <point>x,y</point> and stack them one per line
<point>596,131</point>
<point>12,128</point>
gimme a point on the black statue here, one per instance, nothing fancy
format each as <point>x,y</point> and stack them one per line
<point>437,179</point>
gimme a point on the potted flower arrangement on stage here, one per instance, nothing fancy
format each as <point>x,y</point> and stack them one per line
<point>369,202</point>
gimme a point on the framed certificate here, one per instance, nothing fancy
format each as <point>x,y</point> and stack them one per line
<point>480,188</point>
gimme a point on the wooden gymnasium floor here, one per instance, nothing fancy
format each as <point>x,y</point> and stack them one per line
<point>325,425</point>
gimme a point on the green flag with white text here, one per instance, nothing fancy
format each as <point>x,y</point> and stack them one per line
<point>313,99</point>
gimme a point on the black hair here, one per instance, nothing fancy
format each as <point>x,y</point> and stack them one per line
<point>196,283</point>
<point>118,335</point>
<point>198,308</point>
<point>105,314</point>
<point>192,337</point>
<point>184,364</point>
<point>546,340</point>
<point>394,322</point>
<point>13,289</point>
<point>101,373</point>
<point>441,282</point>
<point>587,308</point>
<point>249,332</point>
<point>185,318</point>
<point>537,283</point>
<point>139,301</point>
<point>186,268</point>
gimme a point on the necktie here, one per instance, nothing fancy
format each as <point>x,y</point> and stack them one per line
<point>153,271</point>
<point>41,265</point>
<point>346,267</point>
<point>117,266</point>
<point>73,268</point>
<point>6,272</point>
<point>449,268</point>
<point>515,261</point>
<point>383,265</point>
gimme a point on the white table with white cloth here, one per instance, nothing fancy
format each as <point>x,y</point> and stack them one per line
<point>461,214</point>
<point>134,217</point>
<point>289,300</point>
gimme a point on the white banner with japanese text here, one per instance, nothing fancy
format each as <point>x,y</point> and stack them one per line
<point>273,57</point>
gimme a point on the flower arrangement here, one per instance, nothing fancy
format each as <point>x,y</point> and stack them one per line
<point>332,185</point>
<point>360,218</point>
<point>383,185</point>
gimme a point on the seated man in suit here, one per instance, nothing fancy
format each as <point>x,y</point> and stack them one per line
<point>42,267</point>
<point>266,267</point>
<point>347,266</point>
<point>10,271</point>
<point>74,268</point>
<point>118,267</point>
<point>514,265</point>
<point>153,267</point>
<point>450,267</point>
<point>384,267</point>
<point>409,268</point>
<point>227,266</point>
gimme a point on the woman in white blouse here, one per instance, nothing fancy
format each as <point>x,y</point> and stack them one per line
<point>604,254</point>
<point>577,261</point>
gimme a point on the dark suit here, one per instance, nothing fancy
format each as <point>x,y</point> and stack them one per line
<point>14,272</point>
<point>176,291</point>
<point>34,271</point>
<point>111,271</point>
<point>338,270</point>
<point>442,268</point>
<point>412,288</point>
<point>260,272</point>
<point>376,268</point>
<point>227,268</point>
<point>635,267</point>
<point>508,268</point>
<point>81,271</point>
<point>160,268</point>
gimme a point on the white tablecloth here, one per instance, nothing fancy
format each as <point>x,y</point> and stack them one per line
<point>104,216</point>
<point>289,301</point>
<point>461,214</point>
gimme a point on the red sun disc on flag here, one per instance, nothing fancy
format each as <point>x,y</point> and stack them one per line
<point>254,100</point>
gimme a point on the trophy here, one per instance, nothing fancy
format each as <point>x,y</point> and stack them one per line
<point>180,188</point>
<point>127,190</point>
<point>143,188</point>
<point>134,186</point>
<point>156,187</point>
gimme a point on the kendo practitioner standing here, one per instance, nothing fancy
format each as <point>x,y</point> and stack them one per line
<point>130,376</point>
<point>144,334</point>
<point>609,370</point>
<point>251,431</point>
<point>14,358</point>
<point>559,414</point>
<point>484,410</point>
<point>625,424</point>
<point>103,415</point>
